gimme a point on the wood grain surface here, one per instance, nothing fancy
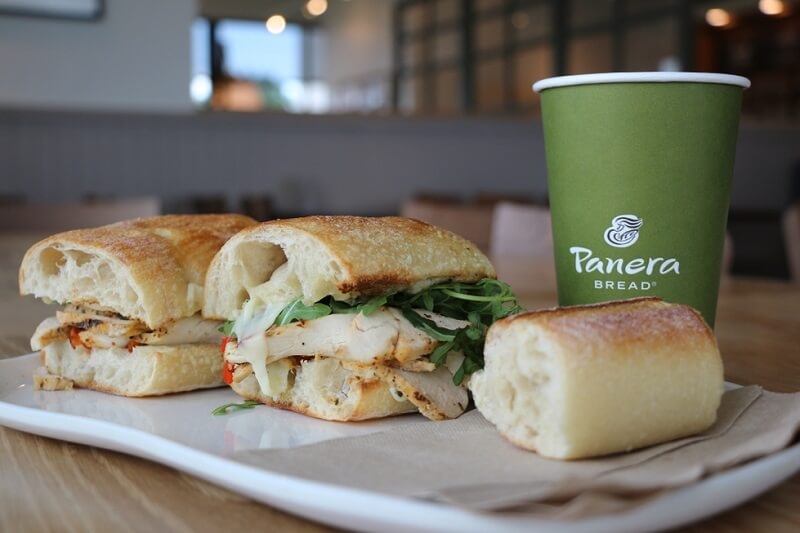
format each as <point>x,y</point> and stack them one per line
<point>49,485</point>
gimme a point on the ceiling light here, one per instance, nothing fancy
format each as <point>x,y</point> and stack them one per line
<point>771,7</point>
<point>316,8</point>
<point>276,24</point>
<point>718,17</point>
<point>200,89</point>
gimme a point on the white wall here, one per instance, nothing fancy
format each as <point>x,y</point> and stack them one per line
<point>137,57</point>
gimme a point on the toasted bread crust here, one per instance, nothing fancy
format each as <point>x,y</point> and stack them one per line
<point>341,256</point>
<point>150,269</point>
<point>620,324</point>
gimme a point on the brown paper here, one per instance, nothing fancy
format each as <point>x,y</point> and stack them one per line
<point>467,463</point>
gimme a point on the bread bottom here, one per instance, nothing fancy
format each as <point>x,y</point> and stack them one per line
<point>324,388</point>
<point>145,371</point>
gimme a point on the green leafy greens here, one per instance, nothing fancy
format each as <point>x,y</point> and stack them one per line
<point>297,311</point>
<point>480,304</point>
<point>227,328</point>
<point>231,407</point>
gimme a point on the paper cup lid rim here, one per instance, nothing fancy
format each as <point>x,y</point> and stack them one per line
<point>634,77</point>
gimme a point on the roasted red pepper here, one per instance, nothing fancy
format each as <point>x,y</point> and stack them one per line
<point>227,373</point>
<point>227,368</point>
<point>75,338</point>
<point>224,344</point>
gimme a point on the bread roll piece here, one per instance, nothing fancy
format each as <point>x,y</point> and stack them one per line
<point>343,256</point>
<point>149,269</point>
<point>584,381</point>
<point>144,371</point>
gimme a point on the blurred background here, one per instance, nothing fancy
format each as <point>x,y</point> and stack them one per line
<point>117,108</point>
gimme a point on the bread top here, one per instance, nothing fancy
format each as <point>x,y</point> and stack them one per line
<point>619,327</point>
<point>341,256</point>
<point>149,269</point>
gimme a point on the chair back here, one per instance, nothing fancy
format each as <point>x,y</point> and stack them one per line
<point>791,239</point>
<point>727,254</point>
<point>521,230</point>
<point>473,222</point>
<point>53,218</point>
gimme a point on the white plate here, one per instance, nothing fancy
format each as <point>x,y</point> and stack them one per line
<point>180,431</point>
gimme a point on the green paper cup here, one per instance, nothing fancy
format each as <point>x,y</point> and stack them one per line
<point>639,175</point>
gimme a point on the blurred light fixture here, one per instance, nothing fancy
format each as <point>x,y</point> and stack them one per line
<point>316,8</point>
<point>771,7</point>
<point>520,20</point>
<point>718,17</point>
<point>276,24</point>
<point>200,89</point>
<point>669,64</point>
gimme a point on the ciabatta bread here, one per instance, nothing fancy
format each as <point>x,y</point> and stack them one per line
<point>584,381</point>
<point>144,371</point>
<point>342,256</point>
<point>150,269</point>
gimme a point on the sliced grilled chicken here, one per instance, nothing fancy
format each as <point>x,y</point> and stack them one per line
<point>433,393</point>
<point>193,329</point>
<point>384,337</point>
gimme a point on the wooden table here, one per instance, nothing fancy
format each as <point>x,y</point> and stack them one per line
<point>52,485</point>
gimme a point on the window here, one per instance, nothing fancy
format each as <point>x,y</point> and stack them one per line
<point>238,65</point>
<point>200,88</point>
<point>251,52</point>
<point>430,58</point>
<point>486,54</point>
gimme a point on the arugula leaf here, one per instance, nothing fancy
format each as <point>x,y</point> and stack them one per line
<point>458,377</point>
<point>340,307</point>
<point>481,304</point>
<point>369,307</point>
<point>427,301</point>
<point>428,326</point>
<point>366,308</point>
<point>439,354</point>
<point>297,310</point>
<point>227,328</point>
<point>231,407</point>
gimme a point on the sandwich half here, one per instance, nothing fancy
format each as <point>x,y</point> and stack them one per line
<point>132,295</point>
<point>352,318</point>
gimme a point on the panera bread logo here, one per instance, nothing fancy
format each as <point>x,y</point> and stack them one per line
<point>622,233</point>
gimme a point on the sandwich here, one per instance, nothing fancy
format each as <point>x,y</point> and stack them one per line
<point>352,318</point>
<point>132,295</point>
<point>583,381</point>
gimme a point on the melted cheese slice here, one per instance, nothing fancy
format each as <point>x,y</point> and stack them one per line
<point>251,346</point>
